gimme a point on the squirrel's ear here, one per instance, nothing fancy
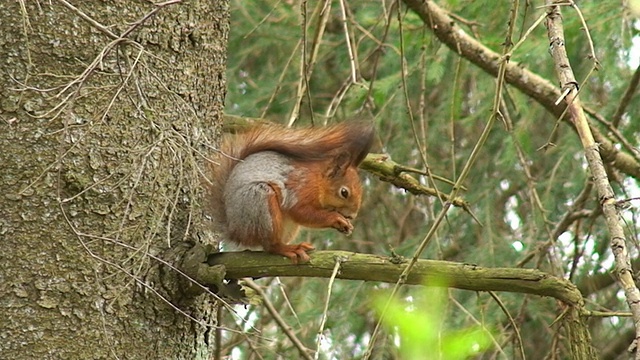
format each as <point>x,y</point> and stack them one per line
<point>339,166</point>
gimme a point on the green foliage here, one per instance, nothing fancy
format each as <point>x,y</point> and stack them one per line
<point>423,332</point>
<point>527,178</point>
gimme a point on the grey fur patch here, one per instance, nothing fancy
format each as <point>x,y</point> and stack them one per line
<point>247,192</point>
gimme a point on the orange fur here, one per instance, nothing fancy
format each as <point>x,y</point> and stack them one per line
<point>288,178</point>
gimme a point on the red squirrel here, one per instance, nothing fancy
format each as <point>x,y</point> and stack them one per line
<point>269,181</point>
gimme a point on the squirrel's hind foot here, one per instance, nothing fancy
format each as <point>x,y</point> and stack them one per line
<point>297,253</point>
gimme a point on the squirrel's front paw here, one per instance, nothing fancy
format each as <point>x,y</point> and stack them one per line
<point>343,225</point>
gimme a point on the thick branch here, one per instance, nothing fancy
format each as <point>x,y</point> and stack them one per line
<point>387,269</point>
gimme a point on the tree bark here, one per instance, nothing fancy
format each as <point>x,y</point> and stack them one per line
<point>106,110</point>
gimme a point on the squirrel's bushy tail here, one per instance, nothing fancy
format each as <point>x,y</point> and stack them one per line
<point>312,143</point>
<point>302,144</point>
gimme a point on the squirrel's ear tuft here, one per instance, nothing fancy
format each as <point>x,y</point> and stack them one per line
<point>362,142</point>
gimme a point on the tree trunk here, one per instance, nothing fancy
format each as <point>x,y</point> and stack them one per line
<point>107,110</point>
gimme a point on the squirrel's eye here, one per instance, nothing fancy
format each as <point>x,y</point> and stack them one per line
<point>344,192</point>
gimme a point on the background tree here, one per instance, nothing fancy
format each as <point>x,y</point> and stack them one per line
<point>108,109</point>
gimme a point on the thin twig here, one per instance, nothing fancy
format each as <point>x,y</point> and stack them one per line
<point>350,43</point>
<point>90,20</point>
<point>626,98</point>
<point>478,323</point>
<point>336,268</point>
<point>304,352</point>
<point>511,321</point>
<point>323,11</point>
